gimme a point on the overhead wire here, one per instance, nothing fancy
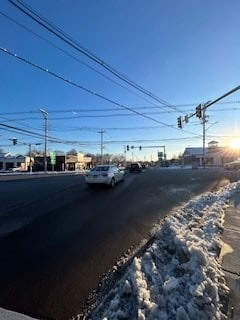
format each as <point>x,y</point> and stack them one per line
<point>87,90</point>
<point>147,92</point>
<point>92,129</point>
<point>38,135</point>
<point>87,143</point>
<point>71,56</point>
<point>27,10</point>
<point>84,143</point>
<point>100,109</point>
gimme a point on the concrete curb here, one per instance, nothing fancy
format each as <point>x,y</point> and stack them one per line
<point>230,255</point>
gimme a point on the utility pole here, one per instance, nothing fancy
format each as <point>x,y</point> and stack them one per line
<point>45,116</point>
<point>204,120</point>
<point>101,132</point>
<point>200,113</point>
<point>204,137</point>
<point>30,158</point>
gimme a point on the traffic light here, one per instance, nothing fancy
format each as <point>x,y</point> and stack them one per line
<point>14,140</point>
<point>140,148</point>
<point>199,111</point>
<point>179,121</point>
<point>127,147</point>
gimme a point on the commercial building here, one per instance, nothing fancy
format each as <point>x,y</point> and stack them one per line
<point>77,162</point>
<point>213,155</point>
<point>9,161</point>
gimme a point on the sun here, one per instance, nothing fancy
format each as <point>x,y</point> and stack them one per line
<point>235,144</point>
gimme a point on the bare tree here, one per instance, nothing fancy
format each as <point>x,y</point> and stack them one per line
<point>72,152</point>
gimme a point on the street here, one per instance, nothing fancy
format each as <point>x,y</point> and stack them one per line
<point>58,237</point>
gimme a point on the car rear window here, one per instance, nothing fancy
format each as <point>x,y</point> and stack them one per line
<point>105,168</point>
<point>134,165</point>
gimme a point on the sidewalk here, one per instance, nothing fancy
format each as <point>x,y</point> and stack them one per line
<point>230,255</point>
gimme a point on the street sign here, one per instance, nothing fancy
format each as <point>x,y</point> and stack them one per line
<point>53,157</point>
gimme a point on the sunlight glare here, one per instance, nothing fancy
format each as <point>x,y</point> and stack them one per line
<point>235,144</point>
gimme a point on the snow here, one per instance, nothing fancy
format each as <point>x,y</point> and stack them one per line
<point>10,315</point>
<point>178,276</point>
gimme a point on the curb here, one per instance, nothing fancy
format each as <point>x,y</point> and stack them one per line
<point>230,255</point>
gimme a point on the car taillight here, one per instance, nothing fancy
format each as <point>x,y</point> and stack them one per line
<point>104,174</point>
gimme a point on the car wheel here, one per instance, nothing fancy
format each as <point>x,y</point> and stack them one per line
<point>112,184</point>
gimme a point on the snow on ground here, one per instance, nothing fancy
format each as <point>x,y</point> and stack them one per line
<point>10,315</point>
<point>179,275</point>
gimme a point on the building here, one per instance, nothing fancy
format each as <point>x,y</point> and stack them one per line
<point>78,162</point>
<point>63,163</point>
<point>214,155</point>
<point>9,161</point>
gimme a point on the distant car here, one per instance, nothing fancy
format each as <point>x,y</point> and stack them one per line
<point>105,175</point>
<point>234,165</point>
<point>135,167</point>
<point>15,169</point>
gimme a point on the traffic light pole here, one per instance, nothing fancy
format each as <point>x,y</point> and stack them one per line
<point>141,147</point>
<point>200,113</point>
<point>208,104</point>
<point>200,108</point>
<point>205,106</point>
<point>204,138</point>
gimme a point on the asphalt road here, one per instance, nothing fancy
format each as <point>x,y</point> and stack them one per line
<point>58,237</point>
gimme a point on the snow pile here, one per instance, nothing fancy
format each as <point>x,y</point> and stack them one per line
<point>179,275</point>
<point>10,315</point>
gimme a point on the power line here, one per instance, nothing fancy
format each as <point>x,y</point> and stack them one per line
<point>38,135</point>
<point>72,56</point>
<point>88,143</point>
<point>86,89</point>
<point>16,120</point>
<point>147,140</point>
<point>100,109</point>
<point>27,10</point>
<point>20,130</point>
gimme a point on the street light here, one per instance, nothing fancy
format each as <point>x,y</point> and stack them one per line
<point>45,116</point>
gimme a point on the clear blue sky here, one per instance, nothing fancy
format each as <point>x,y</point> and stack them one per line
<point>184,52</point>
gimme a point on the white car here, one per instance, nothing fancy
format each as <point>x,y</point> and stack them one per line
<point>15,169</point>
<point>104,174</point>
<point>234,165</point>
